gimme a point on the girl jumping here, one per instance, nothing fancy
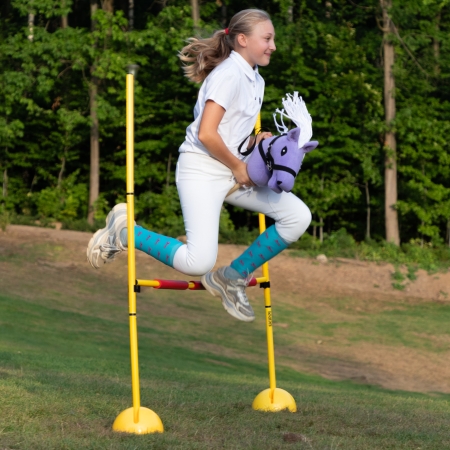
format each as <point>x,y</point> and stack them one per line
<point>210,164</point>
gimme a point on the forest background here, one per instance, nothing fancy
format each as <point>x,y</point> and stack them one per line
<point>374,75</point>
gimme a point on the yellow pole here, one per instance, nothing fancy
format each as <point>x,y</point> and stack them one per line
<point>258,124</point>
<point>268,305</point>
<point>272,399</point>
<point>131,251</point>
<point>269,325</point>
<point>137,420</point>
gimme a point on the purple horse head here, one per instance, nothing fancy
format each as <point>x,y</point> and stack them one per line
<point>277,161</point>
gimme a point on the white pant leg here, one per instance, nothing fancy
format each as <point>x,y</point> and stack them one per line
<point>202,182</point>
<point>291,215</point>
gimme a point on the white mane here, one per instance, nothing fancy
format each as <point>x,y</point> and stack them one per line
<point>296,111</point>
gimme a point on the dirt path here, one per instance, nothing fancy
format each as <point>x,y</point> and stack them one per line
<point>310,283</point>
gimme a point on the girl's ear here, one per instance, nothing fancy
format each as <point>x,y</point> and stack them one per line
<point>242,40</point>
<point>294,134</point>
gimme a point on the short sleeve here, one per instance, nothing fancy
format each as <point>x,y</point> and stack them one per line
<point>222,87</point>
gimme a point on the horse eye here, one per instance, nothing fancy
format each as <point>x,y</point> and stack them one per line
<point>283,151</point>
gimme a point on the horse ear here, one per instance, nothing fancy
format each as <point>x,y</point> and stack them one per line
<point>309,146</point>
<point>294,134</point>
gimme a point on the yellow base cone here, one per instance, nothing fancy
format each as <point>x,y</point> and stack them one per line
<point>281,400</point>
<point>149,422</point>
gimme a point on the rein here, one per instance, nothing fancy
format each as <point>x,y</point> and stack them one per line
<point>249,150</point>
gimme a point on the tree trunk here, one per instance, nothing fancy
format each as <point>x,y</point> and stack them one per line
<point>195,12</point>
<point>448,232</point>
<point>5,183</point>
<point>31,26</point>
<point>94,177</point>
<point>290,12</point>
<point>368,211</point>
<point>64,20</point>
<point>436,48</point>
<point>63,168</point>
<point>108,5</point>
<point>321,230</point>
<point>390,144</point>
<point>130,15</point>
<point>223,10</point>
<point>321,218</point>
<point>169,163</point>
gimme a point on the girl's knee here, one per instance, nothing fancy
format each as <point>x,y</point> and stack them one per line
<point>194,264</point>
<point>304,218</point>
<point>200,267</point>
<point>291,228</point>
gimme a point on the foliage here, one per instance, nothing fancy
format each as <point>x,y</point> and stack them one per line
<point>5,219</point>
<point>328,51</point>
<point>413,255</point>
<point>61,202</point>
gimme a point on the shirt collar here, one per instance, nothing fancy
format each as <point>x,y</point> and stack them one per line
<point>244,65</point>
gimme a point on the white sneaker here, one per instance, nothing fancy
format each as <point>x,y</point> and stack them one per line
<point>105,245</point>
<point>234,298</point>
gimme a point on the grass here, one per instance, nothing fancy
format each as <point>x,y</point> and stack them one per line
<point>65,375</point>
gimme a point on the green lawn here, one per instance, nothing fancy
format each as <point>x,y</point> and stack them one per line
<point>64,377</point>
<point>65,365</point>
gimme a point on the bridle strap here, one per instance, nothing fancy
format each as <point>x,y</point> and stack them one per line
<point>285,169</point>
<point>267,156</point>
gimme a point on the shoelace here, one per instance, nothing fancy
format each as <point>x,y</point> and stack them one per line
<point>110,248</point>
<point>248,278</point>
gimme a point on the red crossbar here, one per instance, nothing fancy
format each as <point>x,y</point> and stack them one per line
<point>180,285</point>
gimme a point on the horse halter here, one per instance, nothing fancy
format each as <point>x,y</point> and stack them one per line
<point>268,158</point>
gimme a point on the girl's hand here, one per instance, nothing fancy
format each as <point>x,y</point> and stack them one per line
<point>263,135</point>
<point>241,175</point>
<point>258,138</point>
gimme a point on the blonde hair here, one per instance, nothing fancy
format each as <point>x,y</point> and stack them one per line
<point>201,56</point>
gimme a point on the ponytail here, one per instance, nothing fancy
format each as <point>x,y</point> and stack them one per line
<point>201,56</point>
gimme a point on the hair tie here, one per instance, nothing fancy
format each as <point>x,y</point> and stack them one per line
<point>226,31</point>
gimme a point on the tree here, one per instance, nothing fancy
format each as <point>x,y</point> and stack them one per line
<point>390,144</point>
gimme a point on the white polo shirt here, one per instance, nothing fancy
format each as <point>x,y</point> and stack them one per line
<point>239,89</point>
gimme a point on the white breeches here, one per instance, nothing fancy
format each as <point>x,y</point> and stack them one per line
<point>203,182</point>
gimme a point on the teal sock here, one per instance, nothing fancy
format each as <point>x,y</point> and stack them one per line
<point>232,274</point>
<point>161,247</point>
<point>266,246</point>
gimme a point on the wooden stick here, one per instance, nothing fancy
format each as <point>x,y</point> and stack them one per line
<point>233,189</point>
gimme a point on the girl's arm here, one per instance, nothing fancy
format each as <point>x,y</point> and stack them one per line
<point>211,139</point>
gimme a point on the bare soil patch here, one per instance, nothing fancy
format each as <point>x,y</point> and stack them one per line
<point>300,282</point>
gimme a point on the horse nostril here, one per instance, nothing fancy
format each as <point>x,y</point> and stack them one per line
<point>279,182</point>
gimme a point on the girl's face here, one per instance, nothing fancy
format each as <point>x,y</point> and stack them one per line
<point>257,48</point>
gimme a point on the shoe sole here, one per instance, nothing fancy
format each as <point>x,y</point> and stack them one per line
<point>100,233</point>
<point>216,290</point>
